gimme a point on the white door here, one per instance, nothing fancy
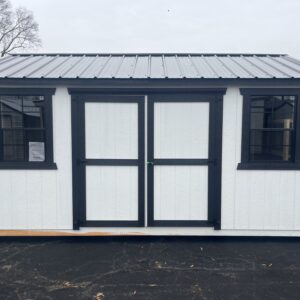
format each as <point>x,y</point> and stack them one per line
<point>180,159</point>
<point>113,161</point>
<point>183,141</point>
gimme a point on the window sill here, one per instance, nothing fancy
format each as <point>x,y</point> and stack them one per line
<point>28,166</point>
<point>268,166</point>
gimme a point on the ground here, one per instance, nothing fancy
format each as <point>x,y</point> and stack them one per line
<point>149,268</point>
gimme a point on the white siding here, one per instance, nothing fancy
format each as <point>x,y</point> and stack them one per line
<point>42,199</point>
<point>254,200</point>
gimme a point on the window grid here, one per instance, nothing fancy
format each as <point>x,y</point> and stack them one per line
<point>271,129</point>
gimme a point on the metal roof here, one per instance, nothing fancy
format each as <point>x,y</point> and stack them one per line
<point>146,65</point>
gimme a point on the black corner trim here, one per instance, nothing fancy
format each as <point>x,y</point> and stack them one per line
<point>268,166</point>
<point>27,166</point>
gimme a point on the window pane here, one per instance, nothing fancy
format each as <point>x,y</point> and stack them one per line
<point>13,137</point>
<point>278,153</point>
<point>22,136</point>
<point>271,145</point>
<point>13,147</point>
<point>23,145</point>
<point>271,138</point>
<point>11,112</point>
<point>272,112</point>
<point>271,128</point>
<point>13,153</point>
<point>33,111</point>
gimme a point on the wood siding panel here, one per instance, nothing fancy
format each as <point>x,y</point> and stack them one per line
<point>111,130</point>
<point>255,200</point>
<point>180,192</point>
<point>111,193</point>
<point>42,199</point>
<point>181,130</point>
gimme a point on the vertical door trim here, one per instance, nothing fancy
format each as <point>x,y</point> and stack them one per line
<point>213,162</point>
<point>79,161</point>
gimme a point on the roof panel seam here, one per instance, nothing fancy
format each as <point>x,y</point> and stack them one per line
<point>16,63</point>
<point>194,65</point>
<point>179,66</point>
<point>268,64</point>
<point>149,69</point>
<point>242,67</point>
<point>134,67</point>
<point>258,67</point>
<point>283,64</point>
<point>88,66</point>
<point>76,63</point>
<point>211,67</point>
<point>226,67</point>
<point>165,68</point>
<point>56,67</point>
<point>42,66</point>
<point>118,68</point>
<point>24,67</point>
<point>103,67</point>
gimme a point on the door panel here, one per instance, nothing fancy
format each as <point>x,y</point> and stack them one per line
<point>180,192</point>
<point>109,157</point>
<point>181,129</point>
<point>184,160</point>
<point>111,130</point>
<point>112,193</point>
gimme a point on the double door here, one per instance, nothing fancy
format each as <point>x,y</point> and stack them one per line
<point>146,160</point>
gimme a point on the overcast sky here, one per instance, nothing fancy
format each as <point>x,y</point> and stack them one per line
<point>213,26</point>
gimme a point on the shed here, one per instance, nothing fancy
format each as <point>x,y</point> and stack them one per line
<point>150,144</point>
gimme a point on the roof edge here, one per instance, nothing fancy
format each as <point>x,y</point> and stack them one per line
<point>147,54</point>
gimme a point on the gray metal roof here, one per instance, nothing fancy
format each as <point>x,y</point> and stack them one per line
<point>143,65</point>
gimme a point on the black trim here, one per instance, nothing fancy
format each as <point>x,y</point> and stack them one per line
<point>109,162</point>
<point>269,166</point>
<point>184,223</point>
<point>48,164</point>
<point>245,163</point>
<point>213,162</point>
<point>80,161</point>
<point>28,165</point>
<point>109,223</point>
<point>150,83</point>
<point>181,162</point>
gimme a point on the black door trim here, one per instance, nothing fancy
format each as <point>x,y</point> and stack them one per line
<point>213,162</point>
<point>79,160</point>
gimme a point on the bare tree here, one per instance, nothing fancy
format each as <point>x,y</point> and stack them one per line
<point>18,29</point>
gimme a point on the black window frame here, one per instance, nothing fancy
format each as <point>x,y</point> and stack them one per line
<point>48,164</point>
<point>245,163</point>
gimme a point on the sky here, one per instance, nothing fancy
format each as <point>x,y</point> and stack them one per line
<point>193,26</point>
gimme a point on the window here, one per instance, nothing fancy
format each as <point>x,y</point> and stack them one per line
<point>269,139</point>
<point>26,128</point>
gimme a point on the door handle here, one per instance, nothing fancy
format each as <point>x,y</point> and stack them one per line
<point>149,163</point>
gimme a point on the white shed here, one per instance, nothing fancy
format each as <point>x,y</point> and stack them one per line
<point>150,144</point>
